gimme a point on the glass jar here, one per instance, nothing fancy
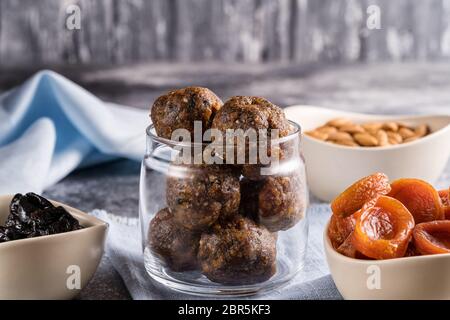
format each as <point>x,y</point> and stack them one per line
<point>223,229</point>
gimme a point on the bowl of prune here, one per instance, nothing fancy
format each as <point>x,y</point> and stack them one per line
<point>48,250</point>
<point>223,194</point>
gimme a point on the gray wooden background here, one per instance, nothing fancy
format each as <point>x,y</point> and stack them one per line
<point>126,31</point>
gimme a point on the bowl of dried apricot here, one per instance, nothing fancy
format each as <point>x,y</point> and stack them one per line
<point>341,147</point>
<point>390,240</point>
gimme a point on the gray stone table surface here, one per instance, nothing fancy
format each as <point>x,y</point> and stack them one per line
<point>389,88</point>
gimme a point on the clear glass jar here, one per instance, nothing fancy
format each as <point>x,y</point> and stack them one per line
<point>222,229</point>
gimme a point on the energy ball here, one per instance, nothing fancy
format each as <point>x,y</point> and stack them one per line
<point>277,202</point>
<point>176,246</point>
<point>198,195</point>
<point>238,252</point>
<point>244,113</point>
<point>179,109</point>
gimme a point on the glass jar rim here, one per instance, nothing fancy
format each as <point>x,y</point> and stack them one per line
<point>154,137</point>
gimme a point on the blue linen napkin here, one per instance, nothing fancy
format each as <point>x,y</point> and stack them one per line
<point>50,126</point>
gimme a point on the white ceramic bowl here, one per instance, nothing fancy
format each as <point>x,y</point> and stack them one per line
<point>331,168</point>
<point>411,278</point>
<point>41,267</point>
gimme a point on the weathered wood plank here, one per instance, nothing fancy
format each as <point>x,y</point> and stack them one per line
<point>126,31</point>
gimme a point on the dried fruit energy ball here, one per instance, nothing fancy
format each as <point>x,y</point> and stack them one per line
<point>245,113</point>
<point>173,244</point>
<point>238,252</point>
<point>180,108</point>
<point>198,195</point>
<point>254,113</point>
<point>277,203</point>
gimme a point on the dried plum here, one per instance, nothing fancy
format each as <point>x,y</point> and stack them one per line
<point>32,216</point>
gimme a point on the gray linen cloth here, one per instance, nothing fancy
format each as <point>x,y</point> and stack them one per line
<point>313,282</point>
<point>124,250</point>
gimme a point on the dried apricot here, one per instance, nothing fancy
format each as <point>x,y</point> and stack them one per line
<point>445,198</point>
<point>421,199</point>
<point>352,199</point>
<point>348,249</point>
<point>339,229</point>
<point>411,251</point>
<point>432,237</point>
<point>383,231</point>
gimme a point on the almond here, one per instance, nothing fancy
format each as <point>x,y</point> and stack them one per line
<point>406,133</point>
<point>411,139</point>
<point>371,134</point>
<point>366,140</point>
<point>317,135</point>
<point>352,128</point>
<point>392,141</point>
<point>338,122</point>
<point>382,138</point>
<point>421,130</point>
<point>390,126</point>
<point>327,129</point>
<point>340,136</point>
<point>372,127</point>
<point>395,137</point>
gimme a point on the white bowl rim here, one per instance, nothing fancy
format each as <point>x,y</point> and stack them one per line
<point>329,248</point>
<point>425,139</point>
<point>94,224</point>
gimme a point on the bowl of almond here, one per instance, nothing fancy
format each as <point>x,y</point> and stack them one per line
<point>340,147</point>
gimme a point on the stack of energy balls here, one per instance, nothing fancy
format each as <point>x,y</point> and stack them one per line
<point>223,219</point>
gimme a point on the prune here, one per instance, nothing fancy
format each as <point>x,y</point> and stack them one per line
<point>33,216</point>
<point>199,194</point>
<point>277,202</point>
<point>238,251</point>
<point>9,234</point>
<point>179,109</point>
<point>383,231</point>
<point>445,199</point>
<point>362,191</point>
<point>432,237</point>
<point>22,206</point>
<point>174,244</point>
<point>419,197</point>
